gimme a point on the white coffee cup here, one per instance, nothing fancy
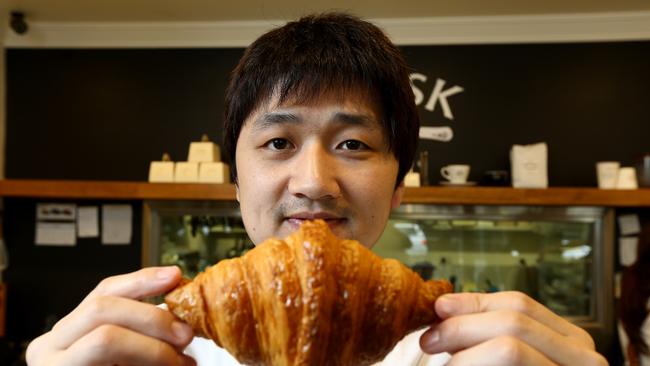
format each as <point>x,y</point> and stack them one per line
<point>607,172</point>
<point>455,173</point>
<point>627,178</point>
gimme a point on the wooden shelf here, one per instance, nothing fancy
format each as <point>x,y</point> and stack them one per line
<point>226,192</point>
<point>116,190</point>
<point>517,196</point>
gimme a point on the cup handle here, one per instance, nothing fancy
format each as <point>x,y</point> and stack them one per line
<point>445,173</point>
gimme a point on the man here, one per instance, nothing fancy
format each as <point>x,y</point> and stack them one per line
<point>321,123</point>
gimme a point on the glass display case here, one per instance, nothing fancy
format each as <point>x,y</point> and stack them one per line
<point>560,256</point>
<point>192,235</point>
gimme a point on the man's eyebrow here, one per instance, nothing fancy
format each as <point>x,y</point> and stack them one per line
<point>274,118</point>
<point>271,119</point>
<point>362,120</point>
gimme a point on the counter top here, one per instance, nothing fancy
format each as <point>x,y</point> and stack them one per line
<point>116,190</point>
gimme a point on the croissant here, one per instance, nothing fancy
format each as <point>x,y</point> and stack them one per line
<point>311,299</point>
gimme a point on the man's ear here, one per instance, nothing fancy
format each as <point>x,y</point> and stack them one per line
<point>396,200</point>
<point>237,191</point>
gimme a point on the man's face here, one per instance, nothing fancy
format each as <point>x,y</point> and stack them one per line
<point>326,160</point>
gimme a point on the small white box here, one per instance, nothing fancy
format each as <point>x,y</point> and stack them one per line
<point>186,172</point>
<point>204,152</point>
<point>161,171</point>
<point>412,179</point>
<point>627,178</point>
<point>214,173</point>
<point>607,174</point>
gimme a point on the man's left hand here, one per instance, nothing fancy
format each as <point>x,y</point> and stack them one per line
<point>506,328</point>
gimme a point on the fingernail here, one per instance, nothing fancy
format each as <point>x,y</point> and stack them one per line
<point>165,273</point>
<point>181,331</point>
<point>431,338</point>
<point>446,303</point>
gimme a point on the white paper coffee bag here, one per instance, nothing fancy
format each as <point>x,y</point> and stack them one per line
<point>529,165</point>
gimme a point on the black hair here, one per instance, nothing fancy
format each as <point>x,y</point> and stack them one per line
<point>324,53</point>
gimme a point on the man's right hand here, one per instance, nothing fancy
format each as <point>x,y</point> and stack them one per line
<point>112,327</point>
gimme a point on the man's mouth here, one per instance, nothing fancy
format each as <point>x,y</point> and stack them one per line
<point>332,220</point>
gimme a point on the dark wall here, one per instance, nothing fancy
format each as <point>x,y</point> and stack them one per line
<point>588,101</point>
<point>105,114</point>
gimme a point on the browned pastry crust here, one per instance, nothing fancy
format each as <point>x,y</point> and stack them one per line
<point>311,299</point>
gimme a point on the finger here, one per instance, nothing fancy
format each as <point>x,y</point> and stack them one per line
<point>38,349</point>
<point>467,303</point>
<point>146,282</point>
<point>136,316</point>
<point>466,331</point>
<point>111,345</point>
<point>502,351</point>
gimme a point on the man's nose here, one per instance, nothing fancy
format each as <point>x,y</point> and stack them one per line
<point>314,174</point>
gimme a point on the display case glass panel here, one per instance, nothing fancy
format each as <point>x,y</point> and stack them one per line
<point>548,258</point>
<point>194,236</point>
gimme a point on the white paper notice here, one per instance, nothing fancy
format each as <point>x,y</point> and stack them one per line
<point>629,224</point>
<point>627,250</point>
<point>87,222</point>
<point>116,224</point>
<point>56,233</point>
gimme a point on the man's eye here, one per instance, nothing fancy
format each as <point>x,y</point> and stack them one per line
<point>278,144</point>
<point>353,145</point>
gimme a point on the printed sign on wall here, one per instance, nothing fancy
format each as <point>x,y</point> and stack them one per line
<point>439,96</point>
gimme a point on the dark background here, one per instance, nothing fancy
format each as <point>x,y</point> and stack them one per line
<point>588,102</point>
<point>104,114</point>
